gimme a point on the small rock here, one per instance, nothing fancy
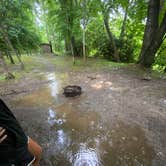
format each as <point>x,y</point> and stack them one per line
<point>160,154</point>
<point>123,138</point>
<point>134,138</point>
<point>146,78</point>
<point>143,152</point>
<point>92,123</point>
<point>101,127</point>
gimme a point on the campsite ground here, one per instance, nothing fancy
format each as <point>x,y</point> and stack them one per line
<point>120,118</point>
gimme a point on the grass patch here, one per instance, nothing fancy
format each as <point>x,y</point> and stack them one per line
<point>33,63</point>
<point>96,64</point>
<point>28,61</point>
<point>66,62</point>
<point>2,77</point>
<point>30,64</point>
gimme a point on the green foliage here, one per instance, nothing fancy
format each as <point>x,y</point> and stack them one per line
<point>62,23</point>
<point>98,41</point>
<point>17,22</point>
<point>160,59</point>
<point>105,49</point>
<point>126,49</point>
<point>65,18</point>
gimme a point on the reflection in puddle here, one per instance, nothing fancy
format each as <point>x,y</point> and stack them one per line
<point>46,95</point>
<point>52,119</point>
<point>51,114</point>
<point>85,141</point>
<point>86,157</point>
<point>40,97</point>
<point>79,137</point>
<point>62,140</point>
<point>54,87</point>
<point>61,137</point>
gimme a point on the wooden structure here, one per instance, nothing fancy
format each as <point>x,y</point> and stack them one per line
<point>46,48</point>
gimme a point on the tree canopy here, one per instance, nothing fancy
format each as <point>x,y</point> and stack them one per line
<point>121,30</point>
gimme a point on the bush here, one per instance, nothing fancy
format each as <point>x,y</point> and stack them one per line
<point>125,48</point>
<point>160,59</point>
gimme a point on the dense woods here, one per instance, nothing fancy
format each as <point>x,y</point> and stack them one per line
<point>86,79</point>
<point>129,31</point>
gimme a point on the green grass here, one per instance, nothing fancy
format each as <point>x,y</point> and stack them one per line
<point>66,63</point>
<point>29,63</point>
<point>2,77</point>
<point>89,64</point>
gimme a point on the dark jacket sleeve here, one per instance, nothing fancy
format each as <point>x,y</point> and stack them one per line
<point>9,122</point>
<point>14,149</point>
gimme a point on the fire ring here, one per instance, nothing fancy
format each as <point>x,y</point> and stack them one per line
<point>72,91</point>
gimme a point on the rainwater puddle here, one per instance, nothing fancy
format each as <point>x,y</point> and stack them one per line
<point>54,85</point>
<point>79,138</point>
<point>48,94</point>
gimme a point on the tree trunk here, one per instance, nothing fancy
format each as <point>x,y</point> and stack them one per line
<point>83,41</point>
<point>72,51</point>
<point>66,45</point>
<point>9,44</point>
<point>146,57</point>
<point>5,68</point>
<point>10,56</point>
<point>51,46</point>
<point>123,28</point>
<point>84,25</point>
<point>153,35</point>
<point>115,54</point>
<point>75,51</point>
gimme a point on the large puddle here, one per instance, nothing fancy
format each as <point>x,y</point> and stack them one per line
<point>79,137</point>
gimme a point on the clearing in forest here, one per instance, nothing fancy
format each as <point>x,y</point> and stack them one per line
<point>118,120</point>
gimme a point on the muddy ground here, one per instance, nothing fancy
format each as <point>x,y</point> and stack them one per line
<point>119,120</point>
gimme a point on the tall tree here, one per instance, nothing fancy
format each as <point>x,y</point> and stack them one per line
<point>17,28</point>
<point>9,44</point>
<point>106,8</point>
<point>84,25</point>
<point>154,34</point>
<point>123,28</point>
<point>5,67</point>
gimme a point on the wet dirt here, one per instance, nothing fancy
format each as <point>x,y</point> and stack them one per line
<point>119,119</point>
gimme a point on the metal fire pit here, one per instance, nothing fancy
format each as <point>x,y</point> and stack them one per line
<point>72,91</point>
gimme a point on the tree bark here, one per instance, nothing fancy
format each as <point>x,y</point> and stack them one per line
<point>152,40</point>
<point>72,51</point>
<point>5,68</point>
<point>148,57</point>
<point>75,51</point>
<point>84,24</point>
<point>51,46</point>
<point>9,44</point>
<point>83,40</point>
<point>67,45</point>
<point>10,57</point>
<point>123,28</point>
<point>115,54</point>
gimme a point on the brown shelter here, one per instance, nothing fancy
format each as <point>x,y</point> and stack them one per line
<point>46,48</point>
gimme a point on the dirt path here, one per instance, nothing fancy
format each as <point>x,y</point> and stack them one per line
<point>119,120</point>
